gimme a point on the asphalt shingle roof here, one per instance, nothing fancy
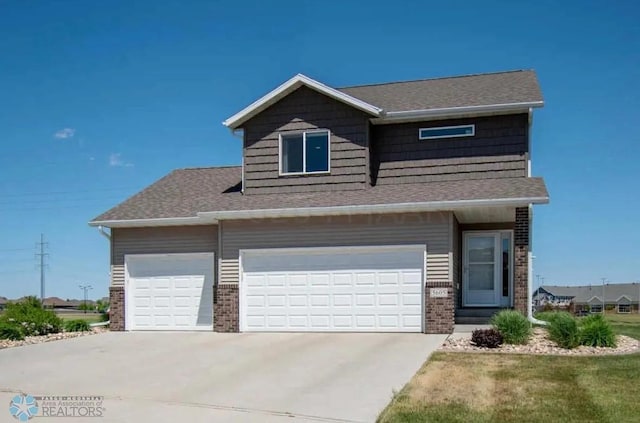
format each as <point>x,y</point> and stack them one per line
<point>584,293</point>
<point>460,91</point>
<point>186,192</point>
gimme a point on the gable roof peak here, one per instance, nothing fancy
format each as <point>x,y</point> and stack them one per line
<point>290,86</point>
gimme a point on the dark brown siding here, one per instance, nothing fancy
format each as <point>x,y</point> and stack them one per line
<point>302,110</point>
<point>498,150</point>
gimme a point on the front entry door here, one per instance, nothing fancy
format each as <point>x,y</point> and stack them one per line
<point>481,269</point>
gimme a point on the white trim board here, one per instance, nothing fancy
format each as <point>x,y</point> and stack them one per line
<point>288,87</point>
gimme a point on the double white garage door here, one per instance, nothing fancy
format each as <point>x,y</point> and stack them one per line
<point>364,289</point>
<point>368,289</point>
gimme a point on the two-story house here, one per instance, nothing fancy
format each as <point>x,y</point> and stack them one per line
<point>394,207</point>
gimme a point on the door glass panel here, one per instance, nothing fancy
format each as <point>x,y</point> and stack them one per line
<point>481,277</point>
<point>481,249</point>
<point>506,264</point>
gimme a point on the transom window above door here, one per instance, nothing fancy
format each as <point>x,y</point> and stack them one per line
<point>304,152</point>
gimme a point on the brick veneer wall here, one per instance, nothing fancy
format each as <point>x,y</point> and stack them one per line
<point>226,309</point>
<point>439,315</point>
<point>116,305</point>
<point>521,256</point>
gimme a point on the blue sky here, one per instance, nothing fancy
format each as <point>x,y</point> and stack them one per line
<point>100,99</point>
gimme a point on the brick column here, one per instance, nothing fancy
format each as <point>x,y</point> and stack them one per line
<point>521,259</point>
<point>226,309</point>
<point>116,308</point>
<point>439,307</point>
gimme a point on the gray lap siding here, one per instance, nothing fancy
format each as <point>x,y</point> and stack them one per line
<point>159,240</point>
<point>430,229</point>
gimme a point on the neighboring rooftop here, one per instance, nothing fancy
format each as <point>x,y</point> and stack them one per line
<point>584,293</point>
<point>187,192</point>
<point>520,86</point>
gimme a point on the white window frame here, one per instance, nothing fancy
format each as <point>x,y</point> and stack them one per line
<point>624,312</point>
<point>304,152</point>
<point>473,132</point>
<point>591,306</point>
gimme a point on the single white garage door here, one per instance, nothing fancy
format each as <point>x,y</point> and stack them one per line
<point>169,292</point>
<point>363,289</point>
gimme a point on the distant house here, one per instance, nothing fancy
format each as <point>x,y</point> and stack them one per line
<point>621,297</point>
<point>55,302</point>
<point>3,302</point>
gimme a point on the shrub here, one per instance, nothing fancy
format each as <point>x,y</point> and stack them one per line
<point>11,331</point>
<point>563,330</point>
<point>597,332</point>
<point>77,325</point>
<point>487,338</point>
<point>513,326</point>
<point>31,317</point>
<point>547,316</point>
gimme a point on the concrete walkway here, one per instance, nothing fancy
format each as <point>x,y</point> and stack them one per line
<point>221,377</point>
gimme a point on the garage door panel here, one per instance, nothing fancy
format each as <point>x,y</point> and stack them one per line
<point>298,321</point>
<point>342,279</point>
<point>170,292</point>
<point>411,299</point>
<point>388,299</point>
<point>333,291</point>
<point>343,300</point>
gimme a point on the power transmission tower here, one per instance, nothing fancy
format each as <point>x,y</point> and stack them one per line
<point>42,256</point>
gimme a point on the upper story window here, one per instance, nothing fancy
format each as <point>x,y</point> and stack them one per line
<point>447,132</point>
<point>304,152</point>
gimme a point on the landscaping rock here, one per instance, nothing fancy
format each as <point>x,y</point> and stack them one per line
<point>5,343</point>
<point>539,343</point>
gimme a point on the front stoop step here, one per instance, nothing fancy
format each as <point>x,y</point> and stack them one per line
<point>474,316</point>
<point>472,320</point>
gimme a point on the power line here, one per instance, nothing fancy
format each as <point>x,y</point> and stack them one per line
<point>28,194</point>
<point>56,200</point>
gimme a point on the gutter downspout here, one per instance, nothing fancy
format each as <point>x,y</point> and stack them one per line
<point>103,233</point>
<point>530,275</point>
<point>106,235</point>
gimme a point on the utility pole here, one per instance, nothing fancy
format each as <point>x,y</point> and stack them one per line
<point>42,256</point>
<point>85,288</point>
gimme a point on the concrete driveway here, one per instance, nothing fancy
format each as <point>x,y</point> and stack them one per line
<point>207,377</point>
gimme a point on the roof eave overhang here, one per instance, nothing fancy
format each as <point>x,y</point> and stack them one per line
<point>212,217</point>
<point>456,112</point>
<point>370,209</point>
<point>288,87</point>
<point>138,223</point>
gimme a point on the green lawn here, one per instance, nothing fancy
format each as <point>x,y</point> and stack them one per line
<point>459,387</point>
<point>89,317</point>
<point>626,324</point>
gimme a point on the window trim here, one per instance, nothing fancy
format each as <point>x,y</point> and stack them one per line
<point>624,312</point>
<point>304,152</point>
<point>433,137</point>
